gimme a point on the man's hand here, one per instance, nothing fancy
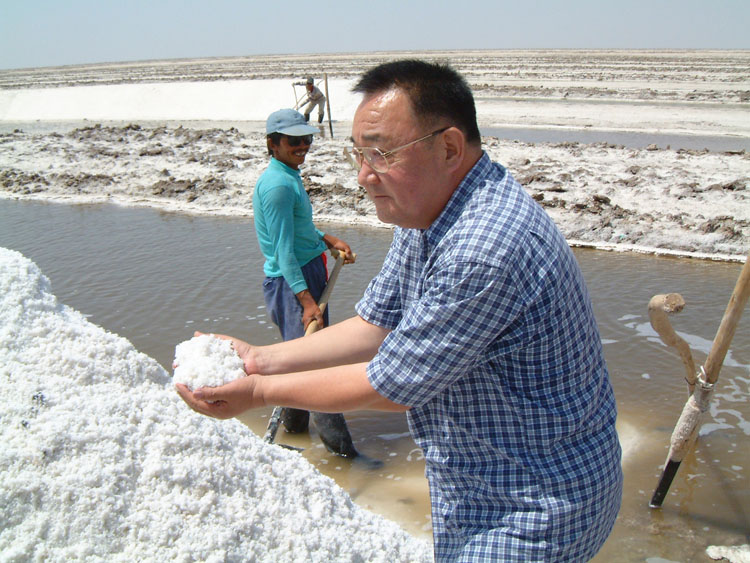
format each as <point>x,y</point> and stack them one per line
<point>225,401</point>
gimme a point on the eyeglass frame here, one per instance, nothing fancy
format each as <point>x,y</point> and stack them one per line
<point>359,154</point>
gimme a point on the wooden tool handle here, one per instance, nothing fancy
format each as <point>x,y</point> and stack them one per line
<point>728,324</point>
<point>325,296</point>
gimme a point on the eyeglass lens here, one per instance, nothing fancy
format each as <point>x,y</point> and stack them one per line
<point>378,160</point>
<point>295,141</point>
<point>373,156</point>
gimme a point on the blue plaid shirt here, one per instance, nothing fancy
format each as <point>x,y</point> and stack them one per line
<point>494,346</point>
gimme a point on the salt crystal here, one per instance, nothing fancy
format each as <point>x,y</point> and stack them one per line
<point>206,361</point>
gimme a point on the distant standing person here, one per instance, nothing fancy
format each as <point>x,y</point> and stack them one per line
<point>294,251</point>
<point>314,98</point>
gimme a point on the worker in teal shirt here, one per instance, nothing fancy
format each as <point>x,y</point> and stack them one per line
<point>283,222</point>
<point>294,251</point>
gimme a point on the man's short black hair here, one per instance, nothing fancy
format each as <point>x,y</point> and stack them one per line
<point>436,91</point>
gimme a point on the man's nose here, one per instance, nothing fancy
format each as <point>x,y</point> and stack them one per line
<point>366,174</point>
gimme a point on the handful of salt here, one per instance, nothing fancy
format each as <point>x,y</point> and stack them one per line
<point>206,361</point>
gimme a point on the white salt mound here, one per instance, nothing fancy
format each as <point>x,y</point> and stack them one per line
<point>206,361</point>
<point>101,460</point>
<point>733,554</point>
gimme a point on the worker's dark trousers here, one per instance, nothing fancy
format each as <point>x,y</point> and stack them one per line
<point>285,311</point>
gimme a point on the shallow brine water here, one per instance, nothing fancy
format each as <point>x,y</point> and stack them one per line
<point>155,277</point>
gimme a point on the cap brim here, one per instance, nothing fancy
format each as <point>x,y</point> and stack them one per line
<point>299,130</point>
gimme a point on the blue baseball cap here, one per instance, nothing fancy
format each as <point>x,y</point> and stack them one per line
<point>288,122</point>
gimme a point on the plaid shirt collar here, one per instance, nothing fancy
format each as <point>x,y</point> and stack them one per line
<point>481,170</point>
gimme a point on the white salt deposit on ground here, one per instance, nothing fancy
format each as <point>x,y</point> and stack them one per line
<point>102,461</point>
<point>663,201</point>
<point>206,361</point>
<point>686,202</point>
<point>655,91</point>
<point>733,554</point>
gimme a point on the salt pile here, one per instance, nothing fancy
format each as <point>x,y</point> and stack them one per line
<point>206,361</point>
<point>101,460</point>
<point>734,554</point>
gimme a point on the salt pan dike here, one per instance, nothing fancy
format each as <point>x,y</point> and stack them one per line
<point>101,460</point>
<point>683,202</point>
<point>692,92</point>
<point>254,100</point>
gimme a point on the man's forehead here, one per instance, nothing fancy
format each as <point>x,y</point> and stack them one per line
<point>379,114</point>
<point>368,136</point>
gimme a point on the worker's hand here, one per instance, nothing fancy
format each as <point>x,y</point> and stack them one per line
<point>310,310</point>
<point>225,401</point>
<point>338,244</point>
<point>349,256</point>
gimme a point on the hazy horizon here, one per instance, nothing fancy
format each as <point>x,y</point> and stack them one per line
<point>44,33</point>
<point>356,53</point>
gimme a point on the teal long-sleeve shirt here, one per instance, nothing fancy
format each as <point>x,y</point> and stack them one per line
<point>286,234</point>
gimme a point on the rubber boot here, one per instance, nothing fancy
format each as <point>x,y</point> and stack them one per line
<point>334,434</point>
<point>295,421</point>
<point>307,117</point>
<point>320,118</point>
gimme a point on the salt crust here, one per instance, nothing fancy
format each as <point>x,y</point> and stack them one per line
<point>734,554</point>
<point>667,202</point>
<point>206,361</point>
<point>101,460</point>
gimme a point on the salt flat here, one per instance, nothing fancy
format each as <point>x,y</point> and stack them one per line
<point>653,199</point>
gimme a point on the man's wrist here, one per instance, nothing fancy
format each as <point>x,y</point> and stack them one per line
<point>304,296</point>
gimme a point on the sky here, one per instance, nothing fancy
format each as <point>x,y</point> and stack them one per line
<point>38,33</point>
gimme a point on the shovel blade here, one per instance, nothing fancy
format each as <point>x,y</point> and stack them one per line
<point>663,487</point>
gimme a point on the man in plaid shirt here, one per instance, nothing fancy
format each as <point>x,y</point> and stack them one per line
<point>479,326</point>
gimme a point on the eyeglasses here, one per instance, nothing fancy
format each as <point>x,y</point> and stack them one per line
<point>377,159</point>
<point>295,141</point>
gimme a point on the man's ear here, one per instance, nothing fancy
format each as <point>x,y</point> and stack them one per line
<point>454,143</point>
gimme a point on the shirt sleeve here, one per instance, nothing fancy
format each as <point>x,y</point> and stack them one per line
<point>278,209</point>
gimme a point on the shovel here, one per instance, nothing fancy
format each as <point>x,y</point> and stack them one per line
<point>701,386</point>
<point>296,99</point>
<point>275,420</point>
